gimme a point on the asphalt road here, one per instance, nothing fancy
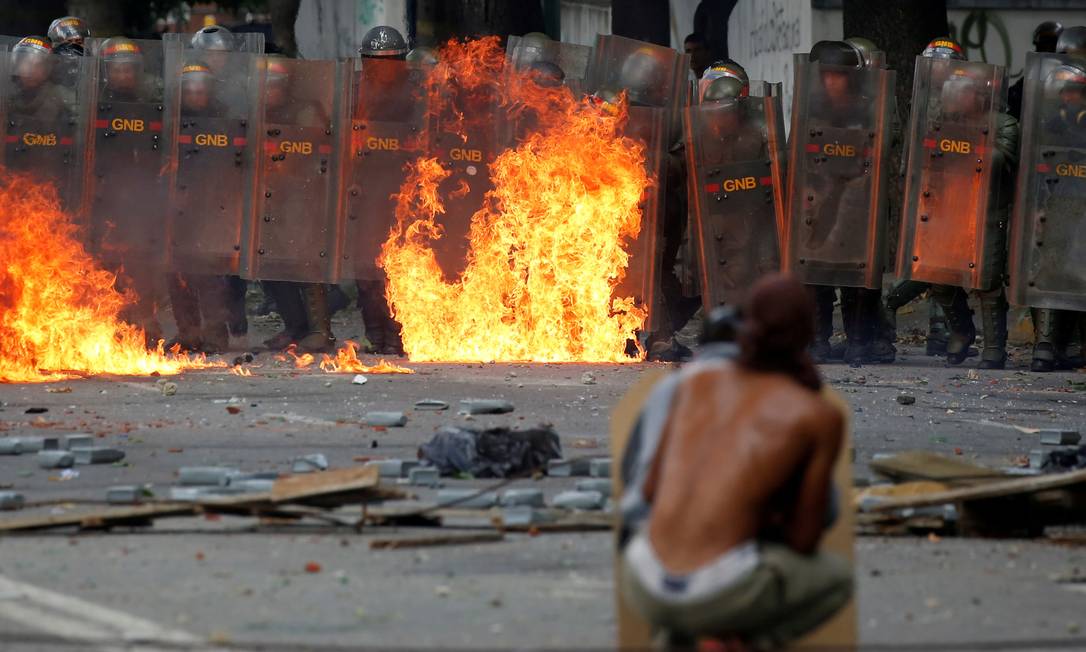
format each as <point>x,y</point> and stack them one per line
<point>220,581</point>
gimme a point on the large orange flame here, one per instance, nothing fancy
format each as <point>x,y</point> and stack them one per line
<point>547,247</point>
<point>59,310</point>
<point>346,361</point>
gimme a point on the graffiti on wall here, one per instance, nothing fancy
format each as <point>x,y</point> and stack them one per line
<point>979,31</point>
<point>774,28</point>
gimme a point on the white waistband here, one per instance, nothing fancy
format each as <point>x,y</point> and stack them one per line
<point>721,573</point>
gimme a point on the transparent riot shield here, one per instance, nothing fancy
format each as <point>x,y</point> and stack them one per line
<point>521,53</point>
<point>465,135</point>
<point>652,75</point>
<point>246,42</point>
<point>230,80</point>
<point>46,104</point>
<point>130,158</point>
<point>291,227</point>
<point>215,156</point>
<point>388,130</point>
<point>952,165</point>
<point>735,158</point>
<point>1048,229</point>
<point>837,170</point>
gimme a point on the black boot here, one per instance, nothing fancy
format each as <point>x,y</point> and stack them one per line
<point>852,318</point>
<point>238,321</point>
<point>186,313</point>
<point>959,319</point>
<point>820,348</point>
<point>993,314</point>
<point>319,339</point>
<point>288,302</point>
<point>1045,326</point>
<point>371,302</point>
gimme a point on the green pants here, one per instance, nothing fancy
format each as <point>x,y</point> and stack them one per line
<point>784,597</point>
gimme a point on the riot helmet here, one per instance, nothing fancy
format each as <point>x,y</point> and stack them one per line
<point>865,48</point>
<point>1072,41</point>
<point>546,74</point>
<point>966,91</point>
<point>642,77</point>
<point>422,56</point>
<point>721,69</point>
<point>835,53</point>
<point>69,29</point>
<point>197,86</point>
<point>1066,84</point>
<point>944,47</point>
<point>214,37</point>
<point>383,41</point>
<point>531,48</point>
<point>725,90</point>
<point>1046,35</point>
<point>31,61</point>
<point>722,324</point>
<point>122,62</point>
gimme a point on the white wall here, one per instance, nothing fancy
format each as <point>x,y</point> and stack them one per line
<point>582,21</point>
<point>329,29</point>
<point>682,20</point>
<point>763,35</point>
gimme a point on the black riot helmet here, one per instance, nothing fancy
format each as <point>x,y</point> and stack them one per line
<point>69,29</point>
<point>214,37</point>
<point>642,76</point>
<point>1046,35</point>
<point>1066,80</point>
<point>383,42</point>
<point>546,74</point>
<point>31,61</point>
<point>835,53</point>
<point>1072,41</point>
<point>864,47</point>
<point>722,324</point>
<point>725,90</point>
<point>944,47</point>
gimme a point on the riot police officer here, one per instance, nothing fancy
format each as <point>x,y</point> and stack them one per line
<point>33,92</point>
<point>200,300</point>
<point>380,44</point>
<point>1045,37</point>
<point>307,322</point>
<point>68,35</point>
<point>904,292</point>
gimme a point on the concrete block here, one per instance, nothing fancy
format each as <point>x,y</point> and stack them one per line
<point>310,463</point>
<point>602,485</point>
<point>1037,459</point>
<point>252,485</point>
<point>522,498</point>
<point>586,500</point>
<point>186,494</point>
<point>125,494</point>
<point>78,441</point>
<point>424,476</point>
<point>458,498</point>
<point>10,501</point>
<point>386,419</point>
<point>50,444</point>
<point>12,446</point>
<point>206,476</point>
<point>96,455</point>
<point>485,406</point>
<point>408,466</point>
<point>600,467</point>
<point>388,468</point>
<point>522,516</point>
<point>568,468</point>
<point>1059,437</point>
<point>55,459</point>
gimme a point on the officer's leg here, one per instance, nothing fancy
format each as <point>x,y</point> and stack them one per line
<point>899,295</point>
<point>215,307</point>
<point>186,312</point>
<point>852,319</point>
<point>371,303</point>
<point>993,313</point>
<point>1046,323</point>
<point>880,350</point>
<point>288,302</point>
<point>337,299</point>
<point>959,318</point>
<point>319,338</point>
<point>238,321</point>
<point>823,297</point>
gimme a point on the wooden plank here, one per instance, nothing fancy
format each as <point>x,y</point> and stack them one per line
<point>98,519</point>
<point>1001,489</point>
<point>924,465</point>
<point>436,540</point>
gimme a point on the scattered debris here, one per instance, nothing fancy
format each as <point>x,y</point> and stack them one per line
<point>391,468</point>
<point>424,476</point>
<point>201,476</point>
<point>439,540</point>
<point>359,379</point>
<point>431,404</point>
<point>924,465</point>
<point>312,567</point>
<point>582,500</point>
<point>522,498</point>
<point>585,442</point>
<point>1056,437</point>
<point>562,468</point>
<point>905,399</point>
<point>77,441</point>
<point>10,501</point>
<point>587,378</point>
<point>601,485</point>
<point>467,498</point>
<point>485,406</point>
<point>128,494</point>
<point>233,409</point>
<point>309,463</point>
<point>491,453</point>
<point>96,455</point>
<point>1064,459</point>
<point>55,459</point>
<point>600,467</point>
<point>168,388</point>
<point>36,410</point>
<point>385,419</point>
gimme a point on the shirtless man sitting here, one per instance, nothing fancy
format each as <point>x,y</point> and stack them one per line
<point>740,487</point>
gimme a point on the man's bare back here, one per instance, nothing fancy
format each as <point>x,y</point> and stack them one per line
<point>745,452</point>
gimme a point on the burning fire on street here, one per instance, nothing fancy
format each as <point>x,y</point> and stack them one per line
<point>548,245</point>
<point>60,311</point>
